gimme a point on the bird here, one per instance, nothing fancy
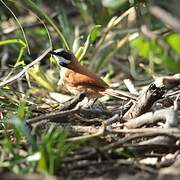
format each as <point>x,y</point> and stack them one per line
<point>76,78</point>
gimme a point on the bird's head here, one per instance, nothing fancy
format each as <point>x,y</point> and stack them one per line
<point>62,56</point>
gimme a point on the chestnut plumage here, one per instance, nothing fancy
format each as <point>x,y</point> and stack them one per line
<point>76,78</point>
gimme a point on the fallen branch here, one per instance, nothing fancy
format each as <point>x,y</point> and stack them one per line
<point>127,139</point>
<point>142,149</point>
<point>52,115</point>
<point>149,118</point>
<point>59,114</point>
<point>86,137</point>
<point>169,131</point>
<point>145,101</point>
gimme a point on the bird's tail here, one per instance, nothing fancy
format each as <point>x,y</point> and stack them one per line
<point>120,94</point>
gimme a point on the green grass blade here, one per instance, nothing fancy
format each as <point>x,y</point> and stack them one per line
<point>38,10</point>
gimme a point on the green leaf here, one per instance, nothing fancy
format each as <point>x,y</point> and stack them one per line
<point>79,52</point>
<point>149,48</point>
<point>41,78</point>
<point>174,41</point>
<point>22,48</point>
<point>113,4</point>
<point>53,148</point>
<point>22,129</point>
<point>22,109</point>
<point>94,33</point>
<point>141,47</point>
<point>42,166</point>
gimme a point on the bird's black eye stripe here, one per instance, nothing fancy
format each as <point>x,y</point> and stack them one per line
<point>64,54</point>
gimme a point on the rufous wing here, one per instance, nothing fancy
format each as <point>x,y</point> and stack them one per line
<point>82,79</point>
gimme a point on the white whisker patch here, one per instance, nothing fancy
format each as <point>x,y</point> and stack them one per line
<point>61,59</point>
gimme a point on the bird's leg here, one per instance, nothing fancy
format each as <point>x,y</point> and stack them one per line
<point>102,105</point>
<point>94,101</point>
<point>87,103</point>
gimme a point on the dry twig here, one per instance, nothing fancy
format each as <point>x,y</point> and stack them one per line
<point>22,72</point>
<point>145,101</point>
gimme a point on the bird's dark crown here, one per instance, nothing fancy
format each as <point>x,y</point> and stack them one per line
<point>62,56</point>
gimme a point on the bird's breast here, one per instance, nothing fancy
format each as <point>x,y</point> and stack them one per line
<point>76,82</point>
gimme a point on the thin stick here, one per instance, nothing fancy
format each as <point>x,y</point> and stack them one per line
<point>52,115</point>
<point>170,131</point>
<point>17,20</point>
<point>21,73</point>
<point>165,17</point>
<point>127,139</point>
<point>86,137</point>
